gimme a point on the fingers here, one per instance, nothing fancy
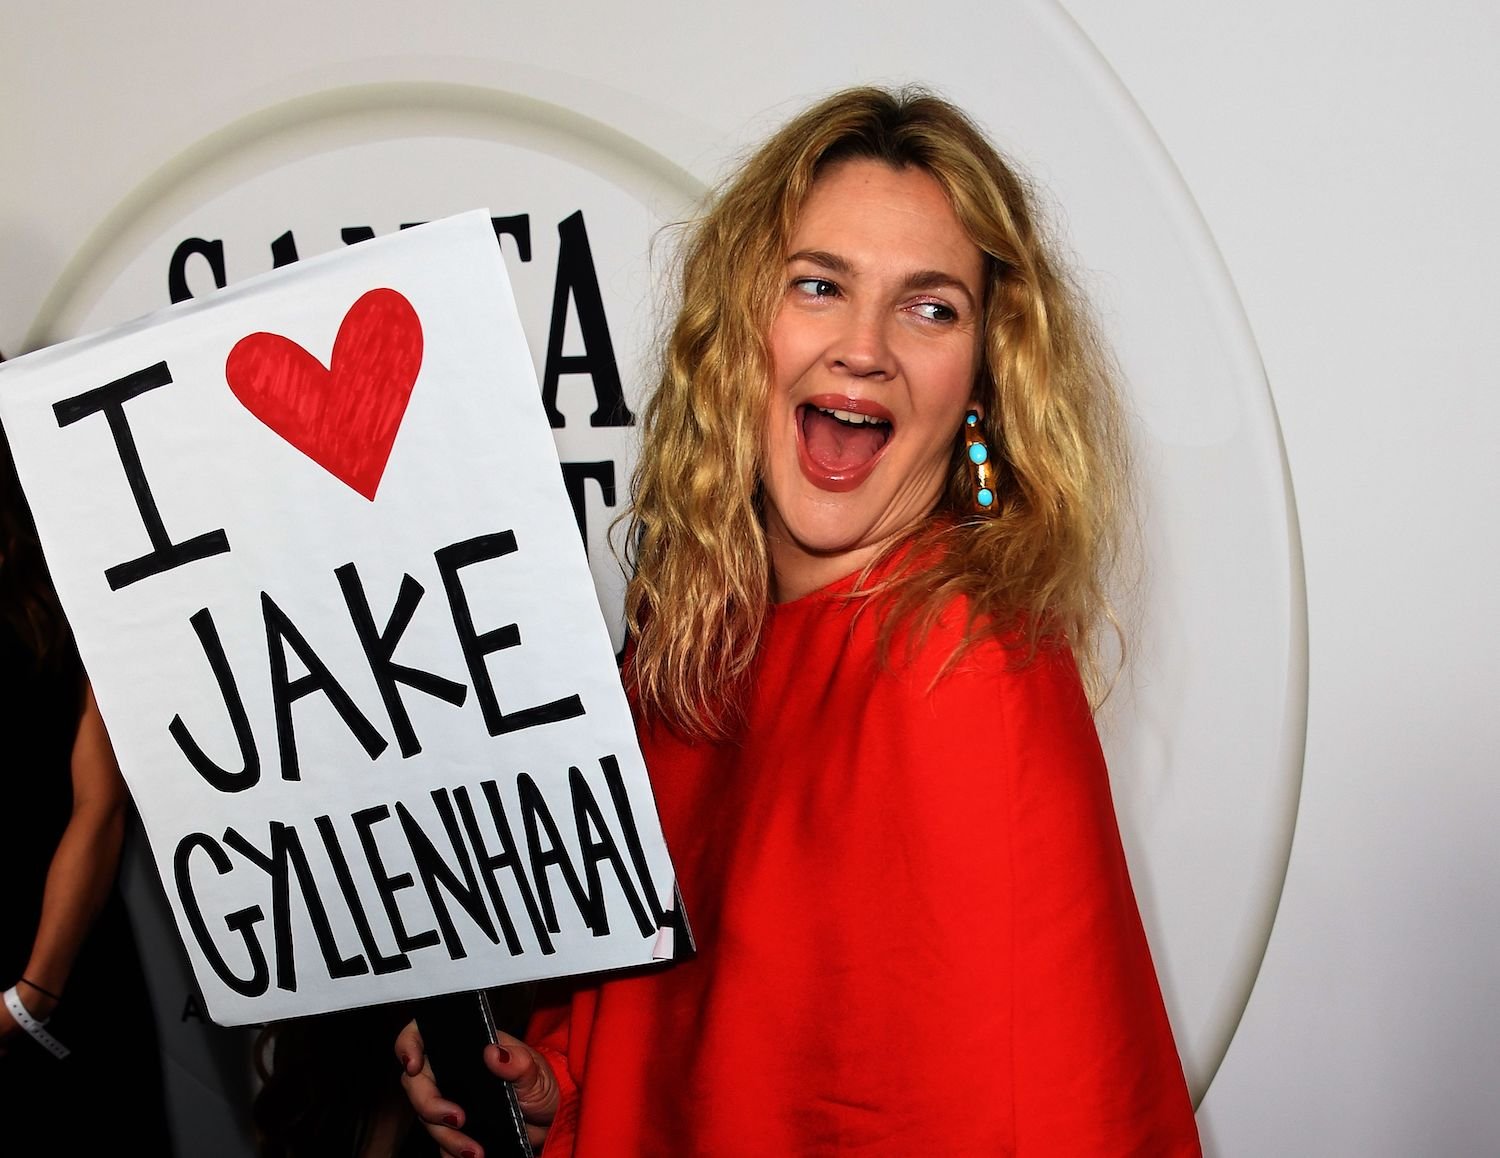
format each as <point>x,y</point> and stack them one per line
<point>509,1059</point>
<point>441,1118</point>
<point>531,1077</point>
<point>528,1072</point>
<point>453,1143</point>
<point>409,1049</point>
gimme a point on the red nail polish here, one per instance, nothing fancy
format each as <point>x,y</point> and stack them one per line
<point>467,1152</point>
<point>451,1120</point>
<point>504,1055</point>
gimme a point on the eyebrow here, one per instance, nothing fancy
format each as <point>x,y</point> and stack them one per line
<point>922,279</point>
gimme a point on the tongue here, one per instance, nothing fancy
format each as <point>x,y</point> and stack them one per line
<point>836,446</point>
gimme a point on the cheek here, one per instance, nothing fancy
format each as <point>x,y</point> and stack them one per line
<point>785,363</point>
<point>798,344</point>
<point>941,445</point>
<point>952,386</point>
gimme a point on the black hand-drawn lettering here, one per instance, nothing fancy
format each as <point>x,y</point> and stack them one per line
<point>388,884</point>
<point>437,875</point>
<point>164,554</point>
<point>476,645</point>
<point>464,880</point>
<point>280,630</point>
<point>380,647</point>
<point>242,921</point>
<point>217,775</point>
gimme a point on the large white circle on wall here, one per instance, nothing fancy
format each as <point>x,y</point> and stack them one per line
<point>1205,734</point>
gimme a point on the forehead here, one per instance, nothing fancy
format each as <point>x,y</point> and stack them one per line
<point>863,208</point>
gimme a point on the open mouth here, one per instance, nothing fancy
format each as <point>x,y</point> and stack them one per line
<point>841,444</point>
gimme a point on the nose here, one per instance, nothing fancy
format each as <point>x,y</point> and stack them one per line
<point>862,345</point>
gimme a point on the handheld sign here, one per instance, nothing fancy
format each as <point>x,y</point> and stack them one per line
<point>313,539</point>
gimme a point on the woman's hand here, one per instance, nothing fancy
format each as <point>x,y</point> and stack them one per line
<point>509,1059</point>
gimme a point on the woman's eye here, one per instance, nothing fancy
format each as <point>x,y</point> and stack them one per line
<point>815,287</point>
<point>936,311</point>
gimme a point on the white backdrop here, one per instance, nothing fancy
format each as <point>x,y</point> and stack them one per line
<point>1345,155</point>
<point>1342,158</point>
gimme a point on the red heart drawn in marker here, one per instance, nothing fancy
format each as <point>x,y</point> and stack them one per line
<point>344,417</point>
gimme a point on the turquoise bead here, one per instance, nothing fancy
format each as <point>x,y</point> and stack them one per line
<point>986,497</point>
<point>978,453</point>
<point>972,419</point>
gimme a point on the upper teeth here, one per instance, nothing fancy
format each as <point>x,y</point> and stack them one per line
<point>853,417</point>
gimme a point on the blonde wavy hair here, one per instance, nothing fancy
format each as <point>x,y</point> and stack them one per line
<point>1033,571</point>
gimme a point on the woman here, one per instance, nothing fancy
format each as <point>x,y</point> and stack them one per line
<point>75,1000</point>
<point>878,495</point>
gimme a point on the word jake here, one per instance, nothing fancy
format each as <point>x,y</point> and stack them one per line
<point>379,647</point>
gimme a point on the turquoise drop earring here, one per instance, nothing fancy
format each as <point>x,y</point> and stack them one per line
<point>979,458</point>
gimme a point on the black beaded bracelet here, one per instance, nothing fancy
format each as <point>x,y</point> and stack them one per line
<point>39,989</point>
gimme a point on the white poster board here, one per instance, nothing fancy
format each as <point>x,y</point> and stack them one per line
<point>312,536</point>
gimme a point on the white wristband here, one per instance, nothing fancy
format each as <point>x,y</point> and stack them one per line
<point>31,1025</point>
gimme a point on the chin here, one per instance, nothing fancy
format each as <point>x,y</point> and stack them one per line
<point>831,523</point>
